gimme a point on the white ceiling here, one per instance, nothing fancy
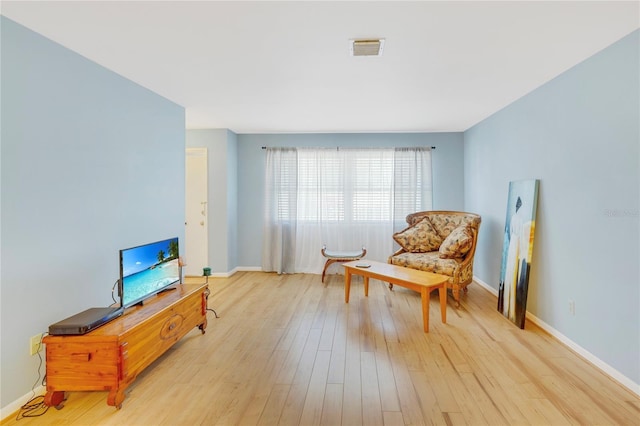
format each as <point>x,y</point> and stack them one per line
<point>266,67</point>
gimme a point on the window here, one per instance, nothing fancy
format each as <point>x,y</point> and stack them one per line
<point>340,196</point>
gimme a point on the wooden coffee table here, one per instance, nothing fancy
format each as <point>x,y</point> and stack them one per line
<point>413,279</point>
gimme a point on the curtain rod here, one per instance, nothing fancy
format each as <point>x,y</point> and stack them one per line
<point>264,147</point>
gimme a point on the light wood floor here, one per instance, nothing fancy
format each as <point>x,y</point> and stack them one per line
<point>288,350</point>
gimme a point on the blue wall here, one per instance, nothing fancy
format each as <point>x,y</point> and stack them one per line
<point>447,160</point>
<point>91,163</point>
<point>579,134</point>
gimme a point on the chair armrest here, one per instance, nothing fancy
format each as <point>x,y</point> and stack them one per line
<point>395,254</point>
<point>467,261</point>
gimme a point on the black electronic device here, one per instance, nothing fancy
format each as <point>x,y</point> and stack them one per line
<point>147,270</point>
<point>85,321</point>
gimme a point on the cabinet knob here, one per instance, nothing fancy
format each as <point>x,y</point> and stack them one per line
<point>172,326</point>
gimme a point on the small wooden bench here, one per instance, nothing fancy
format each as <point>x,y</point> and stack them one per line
<point>340,256</point>
<point>413,279</point>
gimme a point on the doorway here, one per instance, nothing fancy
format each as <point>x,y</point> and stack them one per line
<point>196,252</point>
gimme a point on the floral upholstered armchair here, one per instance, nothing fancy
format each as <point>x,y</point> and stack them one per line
<point>443,242</point>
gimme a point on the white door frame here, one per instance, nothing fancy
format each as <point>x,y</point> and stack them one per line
<point>196,211</point>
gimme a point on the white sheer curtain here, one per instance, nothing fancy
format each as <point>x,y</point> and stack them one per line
<point>412,187</point>
<point>344,198</point>
<point>279,228</point>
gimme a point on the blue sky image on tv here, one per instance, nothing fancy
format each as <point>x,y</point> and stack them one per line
<point>147,269</point>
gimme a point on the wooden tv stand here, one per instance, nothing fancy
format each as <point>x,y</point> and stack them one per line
<point>111,356</point>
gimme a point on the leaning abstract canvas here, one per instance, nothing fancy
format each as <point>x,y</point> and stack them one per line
<point>517,249</point>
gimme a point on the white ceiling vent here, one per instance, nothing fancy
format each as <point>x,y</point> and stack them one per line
<point>368,47</point>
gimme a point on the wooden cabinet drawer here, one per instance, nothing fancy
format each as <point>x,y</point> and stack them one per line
<point>80,366</point>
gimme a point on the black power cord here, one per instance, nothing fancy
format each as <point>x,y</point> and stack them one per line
<point>113,289</point>
<point>207,293</point>
<point>35,407</point>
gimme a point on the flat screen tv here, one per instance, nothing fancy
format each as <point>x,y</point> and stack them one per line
<point>147,270</point>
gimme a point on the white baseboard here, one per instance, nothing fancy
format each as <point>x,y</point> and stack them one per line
<point>214,275</point>
<point>230,273</point>
<point>597,362</point>
<point>486,286</point>
<point>223,274</point>
<point>249,268</point>
<point>14,406</point>
<point>603,366</point>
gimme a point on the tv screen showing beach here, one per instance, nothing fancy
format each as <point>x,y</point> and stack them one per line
<point>145,270</point>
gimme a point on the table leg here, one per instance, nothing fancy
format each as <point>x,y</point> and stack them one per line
<point>115,397</point>
<point>347,285</point>
<point>366,286</point>
<point>424,293</point>
<point>54,398</point>
<point>443,302</point>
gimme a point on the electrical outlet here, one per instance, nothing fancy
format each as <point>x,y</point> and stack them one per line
<point>35,344</point>
<point>572,307</point>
